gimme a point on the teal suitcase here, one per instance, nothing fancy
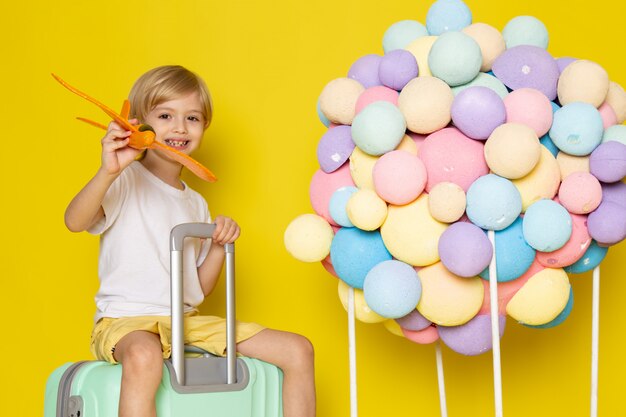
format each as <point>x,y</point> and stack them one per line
<point>191,387</point>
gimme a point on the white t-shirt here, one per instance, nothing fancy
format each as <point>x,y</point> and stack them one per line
<point>134,262</point>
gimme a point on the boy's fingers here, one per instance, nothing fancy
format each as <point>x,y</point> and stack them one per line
<point>226,231</point>
<point>114,144</point>
<point>230,235</point>
<point>115,135</point>
<point>121,143</point>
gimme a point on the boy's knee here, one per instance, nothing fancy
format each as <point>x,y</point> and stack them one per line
<point>302,349</point>
<point>142,358</point>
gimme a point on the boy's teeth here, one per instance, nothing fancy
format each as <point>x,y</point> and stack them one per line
<point>176,142</point>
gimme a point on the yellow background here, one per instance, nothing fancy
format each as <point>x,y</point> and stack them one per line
<point>266,63</point>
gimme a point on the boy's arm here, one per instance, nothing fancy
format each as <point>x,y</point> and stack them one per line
<point>85,209</point>
<point>227,231</point>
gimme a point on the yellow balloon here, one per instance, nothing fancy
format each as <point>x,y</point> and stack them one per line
<point>542,182</point>
<point>366,210</point>
<point>616,98</point>
<point>584,81</point>
<point>361,166</point>
<point>420,48</point>
<point>411,234</point>
<point>541,299</point>
<point>338,100</point>
<point>308,238</point>
<point>393,327</point>
<point>447,299</point>
<point>407,144</point>
<point>426,104</point>
<point>446,202</point>
<point>568,164</point>
<point>512,150</point>
<point>489,39</point>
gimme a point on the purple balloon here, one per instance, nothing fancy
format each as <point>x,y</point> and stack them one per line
<point>608,161</point>
<point>564,62</point>
<point>413,321</point>
<point>615,193</point>
<point>397,68</point>
<point>477,111</point>
<point>528,66</point>
<point>334,148</point>
<point>465,249</point>
<point>607,224</point>
<point>365,70</point>
<point>473,337</point>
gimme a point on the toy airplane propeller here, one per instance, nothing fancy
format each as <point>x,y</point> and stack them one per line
<point>142,136</point>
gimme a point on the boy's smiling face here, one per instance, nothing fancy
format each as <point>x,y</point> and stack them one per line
<point>179,123</point>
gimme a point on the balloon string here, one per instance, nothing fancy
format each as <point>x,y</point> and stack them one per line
<point>495,328</point>
<point>595,332</point>
<point>352,353</point>
<point>440,380</point>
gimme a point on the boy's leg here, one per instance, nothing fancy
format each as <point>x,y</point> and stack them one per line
<point>141,357</point>
<point>294,355</point>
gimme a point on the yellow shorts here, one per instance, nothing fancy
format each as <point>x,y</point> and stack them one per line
<point>205,332</point>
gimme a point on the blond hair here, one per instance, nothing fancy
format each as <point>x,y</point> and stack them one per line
<point>166,83</point>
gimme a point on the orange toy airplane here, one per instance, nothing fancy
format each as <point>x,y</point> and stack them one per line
<point>142,136</point>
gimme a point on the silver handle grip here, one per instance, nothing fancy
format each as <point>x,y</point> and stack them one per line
<point>177,237</point>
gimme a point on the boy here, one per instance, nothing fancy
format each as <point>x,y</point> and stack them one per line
<point>133,205</point>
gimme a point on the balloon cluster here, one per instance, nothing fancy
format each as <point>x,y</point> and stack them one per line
<point>456,130</point>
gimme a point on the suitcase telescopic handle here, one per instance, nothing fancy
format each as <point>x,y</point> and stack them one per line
<point>177,237</point>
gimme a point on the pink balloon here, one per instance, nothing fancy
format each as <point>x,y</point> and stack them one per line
<point>609,118</point>
<point>580,193</point>
<point>529,107</point>
<point>422,337</point>
<point>417,138</point>
<point>328,266</point>
<point>399,177</point>
<point>506,290</point>
<point>573,250</point>
<point>323,186</point>
<point>378,93</point>
<point>451,156</point>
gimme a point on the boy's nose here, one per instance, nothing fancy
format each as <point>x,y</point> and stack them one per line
<point>180,127</point>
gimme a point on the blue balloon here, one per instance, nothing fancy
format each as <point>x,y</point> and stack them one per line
<point>592,258</point>
<point>392,289</point>
<point>513,255</point>
<point>484,79</point>
<point>547,225</point>
<point>493,202</point>
<point>354,252</point>
<point>325,121</point>
<point>447,15</point>
<point>378,128</point>
<point>577,128</point>
<point>402,33</point>
<point>561,317</point>
<point>555,107</point>
<point>525,30</point>
<point>455,58</point>
<point>337,205</point>
<point>546,140</point>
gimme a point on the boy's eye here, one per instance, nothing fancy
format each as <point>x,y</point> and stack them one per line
<point>164,116</point>
<point>194,118</point>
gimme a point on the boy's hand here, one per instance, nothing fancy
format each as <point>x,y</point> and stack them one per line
<point>116,154</point>
<point>226,230</point>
